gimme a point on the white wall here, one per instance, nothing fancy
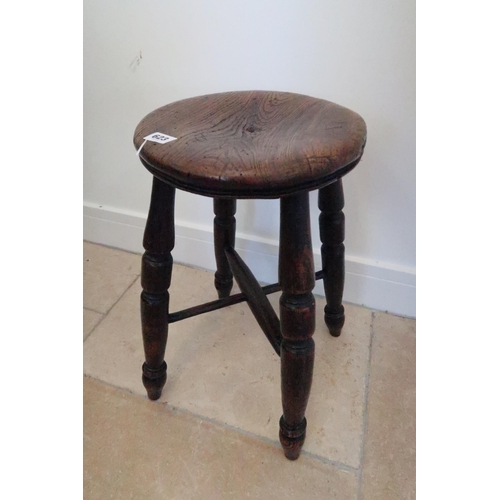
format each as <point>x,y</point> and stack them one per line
<point>358,53</point>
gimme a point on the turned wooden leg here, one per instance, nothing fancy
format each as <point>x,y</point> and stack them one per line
<point>297,312</point>
<point>331,228</point>
<point>156,273</point>
<point>224,235</point>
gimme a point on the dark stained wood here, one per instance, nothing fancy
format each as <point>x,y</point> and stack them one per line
<point>156,274</point>
<point>331,230</point>
<point>225,302</point>
<point>252,144</point>
<point>224,236</point>
<point>297,312</point>
<point>257,300</point>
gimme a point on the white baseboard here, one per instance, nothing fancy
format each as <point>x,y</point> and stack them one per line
<point>378,286</point>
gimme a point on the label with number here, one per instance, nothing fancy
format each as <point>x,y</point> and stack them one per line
<point>159,137</point>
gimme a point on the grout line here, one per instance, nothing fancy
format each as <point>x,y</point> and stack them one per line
<point>105,315</point>
<point>93,310</point>
<point>338,465</point>
<point>218,423</point>
<point>374,310</point>
<point>275,443</point>
<point>365,410</point>
<point>111,247</point>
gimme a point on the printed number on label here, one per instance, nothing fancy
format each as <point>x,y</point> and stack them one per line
<point>157,137</point>
<point>160,138</point>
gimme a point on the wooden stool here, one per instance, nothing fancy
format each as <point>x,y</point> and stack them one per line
<point>252,145</point>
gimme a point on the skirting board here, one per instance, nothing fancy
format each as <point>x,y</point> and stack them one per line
<point>382,287</point>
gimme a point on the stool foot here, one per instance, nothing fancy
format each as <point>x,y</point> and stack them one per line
<point>154,380</point>
<point>334,321</point>
<point>292,439</point>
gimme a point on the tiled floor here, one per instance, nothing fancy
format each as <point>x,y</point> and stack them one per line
<point>214,432</point>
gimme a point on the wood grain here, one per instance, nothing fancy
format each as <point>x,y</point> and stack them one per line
<point>252,144</point>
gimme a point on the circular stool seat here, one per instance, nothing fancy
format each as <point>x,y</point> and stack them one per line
<point>251,144</point>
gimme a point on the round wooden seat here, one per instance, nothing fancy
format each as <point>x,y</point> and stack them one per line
<point>251,144</point>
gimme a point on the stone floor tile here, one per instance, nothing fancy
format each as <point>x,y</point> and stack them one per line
<point>221,366</point>
<point>107,273</point>
<point>137,449</point>
<point>389,451</point>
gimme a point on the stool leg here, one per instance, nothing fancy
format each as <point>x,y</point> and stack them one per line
<point>156,273</point>
<point>297,312</point>
<point>331,228</point>
<point>224,235</point>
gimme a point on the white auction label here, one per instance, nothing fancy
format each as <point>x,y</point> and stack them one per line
<point>157,137</point>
